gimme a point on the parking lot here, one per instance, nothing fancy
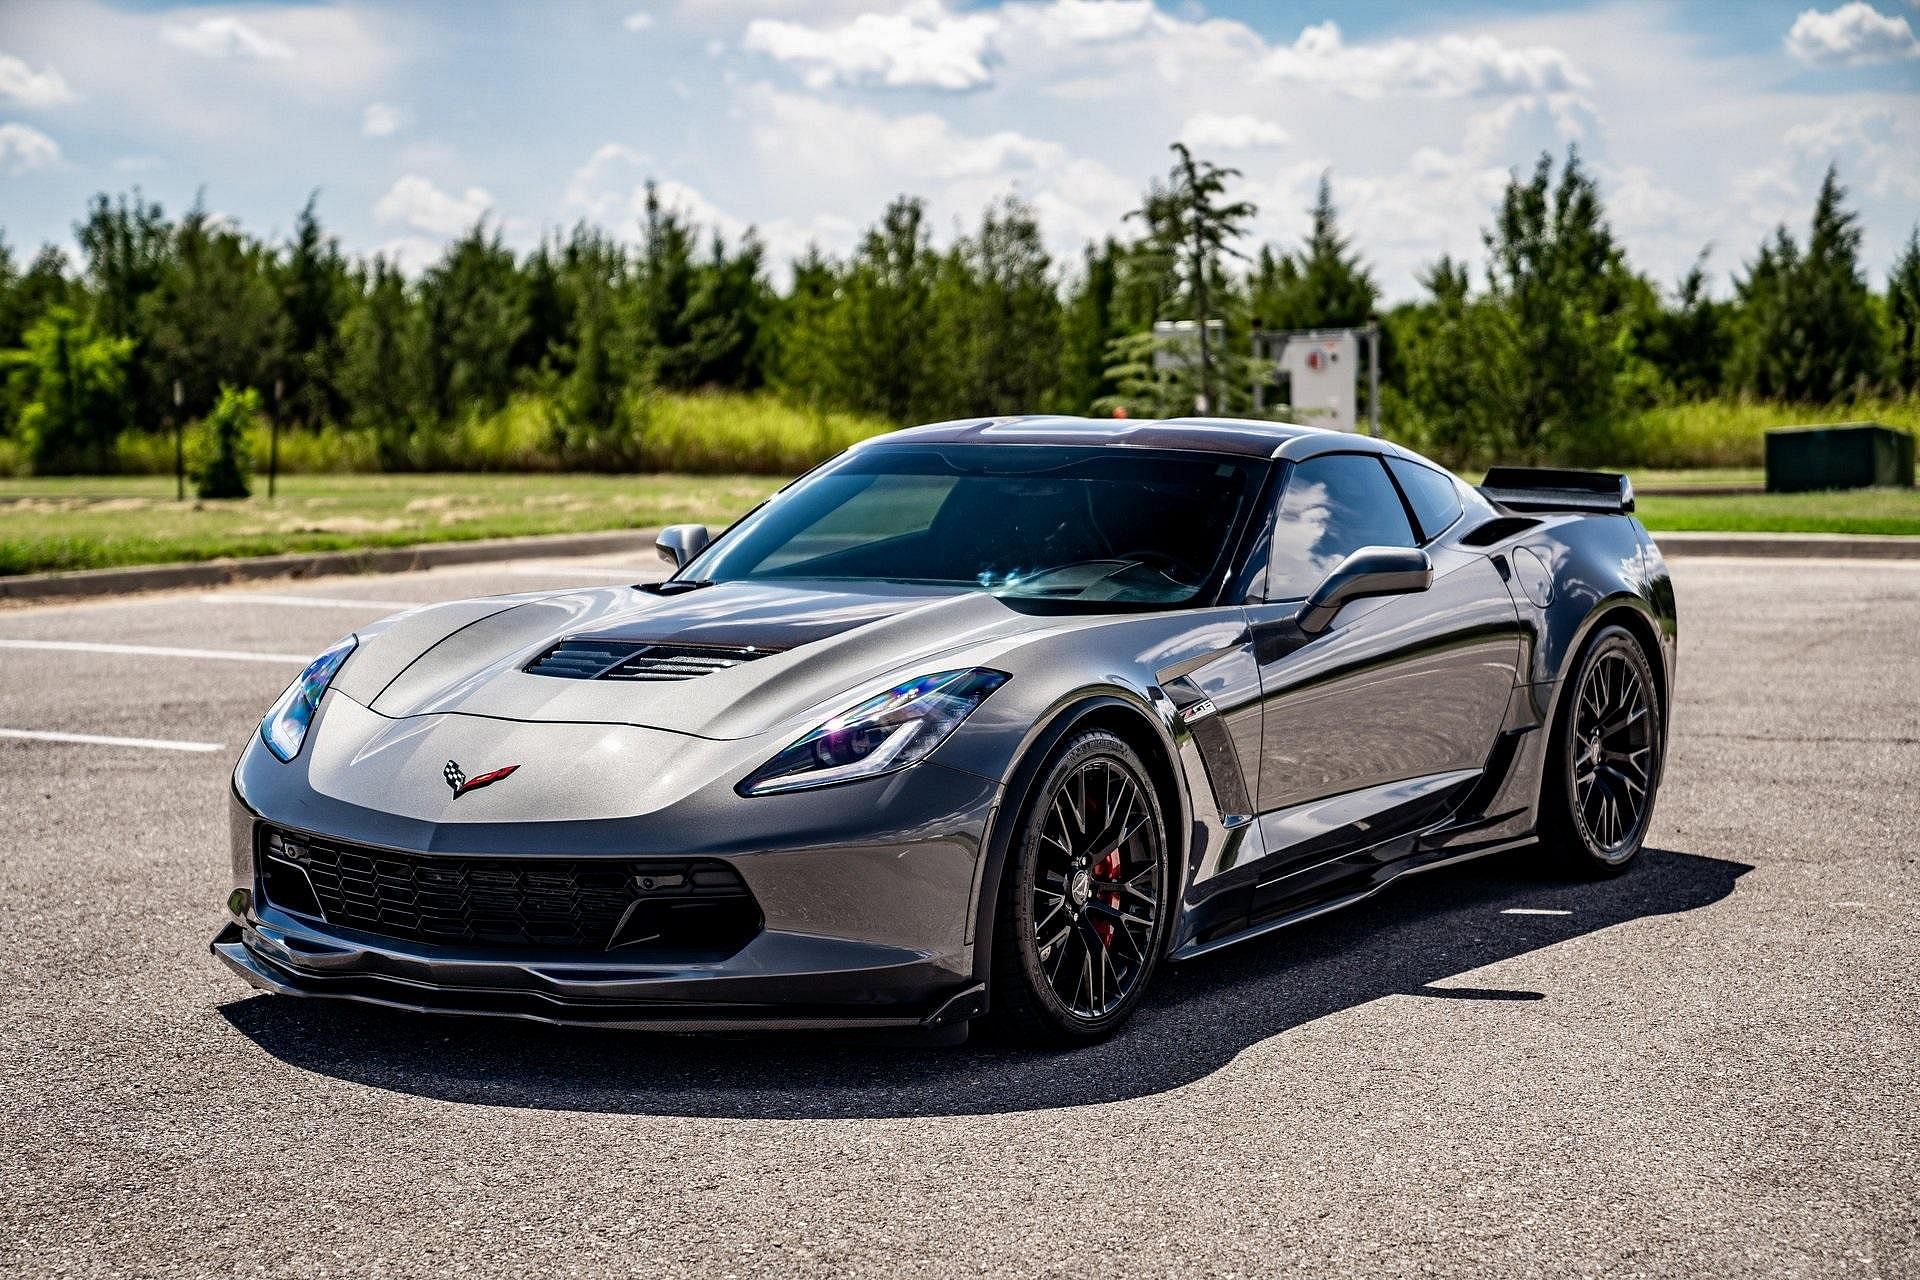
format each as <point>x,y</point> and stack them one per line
<point>1709,1065</point>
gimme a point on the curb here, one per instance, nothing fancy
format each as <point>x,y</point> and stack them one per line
<point>1787,546</point>
<point>214,573</point>
<point>80,583</point>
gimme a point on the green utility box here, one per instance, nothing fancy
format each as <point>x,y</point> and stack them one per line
<point>1853,455</point>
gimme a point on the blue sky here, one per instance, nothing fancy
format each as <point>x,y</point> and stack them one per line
<point>1707,123</point>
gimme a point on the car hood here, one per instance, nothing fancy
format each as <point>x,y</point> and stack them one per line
<point>823,641</point>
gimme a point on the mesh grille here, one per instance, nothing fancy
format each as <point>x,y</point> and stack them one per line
<point>577,904</point>
<point>631,660</point>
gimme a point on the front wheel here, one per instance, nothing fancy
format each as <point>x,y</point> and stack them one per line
<point>1085,899</point>
<point>1606,758</point>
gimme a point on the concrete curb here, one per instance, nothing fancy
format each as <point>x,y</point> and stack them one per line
<point>79,583</point>
<point>215,573</point>
<point>1788,546</point>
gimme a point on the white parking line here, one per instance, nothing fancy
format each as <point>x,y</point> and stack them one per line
<point>102,740</point>
<point>154,651</point>
<point>317,602</point>
<point>1534,911</point>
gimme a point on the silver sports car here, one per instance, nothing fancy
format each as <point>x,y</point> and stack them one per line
<point>990,717</point>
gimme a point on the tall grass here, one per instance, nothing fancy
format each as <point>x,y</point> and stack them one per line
<point>716,433</point>
<point>730,433</point>
<point>1730,433</point>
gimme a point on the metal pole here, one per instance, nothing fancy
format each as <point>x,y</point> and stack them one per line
<point>273,447</point>
<point>1373,378</point>
<point>179,450</point>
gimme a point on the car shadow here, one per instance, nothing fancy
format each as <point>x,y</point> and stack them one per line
<point>1200,1015</point>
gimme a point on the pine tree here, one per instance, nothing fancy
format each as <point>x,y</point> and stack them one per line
<point>314,293</point>
<point>1808,330</point>
<point>1325,286</point>
<point>1903,317</point>
<point>1192,227</point>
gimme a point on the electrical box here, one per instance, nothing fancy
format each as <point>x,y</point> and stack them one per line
<point>1854,455</point>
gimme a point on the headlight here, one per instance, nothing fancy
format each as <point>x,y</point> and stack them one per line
<point>882,734</point>
<point>285,727</point>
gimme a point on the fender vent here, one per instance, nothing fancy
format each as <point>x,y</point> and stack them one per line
<point>631,660</point>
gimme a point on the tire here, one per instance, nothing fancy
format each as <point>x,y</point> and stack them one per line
<point>1603,768</point>
<point>1085,900</point>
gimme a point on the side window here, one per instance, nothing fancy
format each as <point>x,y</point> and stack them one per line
<point>1333,506</point>
<point>1435,500</point>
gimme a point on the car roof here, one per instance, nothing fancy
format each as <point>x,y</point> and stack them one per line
<point>1243,437</point>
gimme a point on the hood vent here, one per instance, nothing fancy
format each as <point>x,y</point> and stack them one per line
<point>631,660</point>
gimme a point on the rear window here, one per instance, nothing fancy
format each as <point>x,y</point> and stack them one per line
<point>1432,494</point>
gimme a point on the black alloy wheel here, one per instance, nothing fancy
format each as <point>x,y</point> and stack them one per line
<point>1609,755</point>
<point>1086,900</point>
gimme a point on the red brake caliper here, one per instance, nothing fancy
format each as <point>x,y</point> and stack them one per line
<point>1108,868</point>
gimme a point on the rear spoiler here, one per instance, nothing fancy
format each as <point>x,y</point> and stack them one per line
<point>1556,489</point>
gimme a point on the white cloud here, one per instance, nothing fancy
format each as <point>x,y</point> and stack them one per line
<point>1084,21</point>
<point>921,46</point>
<point>227,37</point>
<point>849,161</point>
<point>138,164</point>
<point>23,147</point>
<point>1450,66</point>
<point>638,21</point>
<point>1853,35</point>
<point>1879,142</point>
<point>380,120</point>
<point>30,88</point>
<point>1210,130</point>
<point>417,203</point>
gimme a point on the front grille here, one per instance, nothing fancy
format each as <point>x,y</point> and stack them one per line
<point>687,905</point>
<point>636,660</point>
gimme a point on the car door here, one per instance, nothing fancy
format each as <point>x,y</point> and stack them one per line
<point>1371,728</point>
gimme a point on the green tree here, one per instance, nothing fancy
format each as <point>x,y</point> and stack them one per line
<point>1090,322</point>
<point>125,245</point>
<point>1560,279</point>
<point>1687,340</point>
<point>475,308</point>
<point>882,339</point>
<point>1457,391</point>
<point>214,318</point>
<point>998,316</point>
<point>1808,329</point>
<point>222,462</point>
<point>70,380</point>
<point>315,291</point>
<point>383,379</point>
<point>1324,286</point>
<point>1903,317</point>
<point>1192,227</point>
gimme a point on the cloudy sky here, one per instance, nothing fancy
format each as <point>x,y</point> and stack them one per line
<point>1708,121</point>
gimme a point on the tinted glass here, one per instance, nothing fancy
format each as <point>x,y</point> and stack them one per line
<point>1433,495</point>
<point>1331,508</point>
<point>1061,523</point>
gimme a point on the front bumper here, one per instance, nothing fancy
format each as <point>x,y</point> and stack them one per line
<point>867,894</point>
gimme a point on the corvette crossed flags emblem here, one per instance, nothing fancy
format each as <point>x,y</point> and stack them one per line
<point>462,784</point>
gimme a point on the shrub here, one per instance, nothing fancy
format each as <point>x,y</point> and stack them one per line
<point>222,458</point>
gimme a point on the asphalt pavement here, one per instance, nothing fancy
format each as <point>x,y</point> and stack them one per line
<point>1707,1066</point>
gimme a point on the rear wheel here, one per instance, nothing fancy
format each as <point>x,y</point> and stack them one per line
<point>1605,764</point>
<point>1085,899</point>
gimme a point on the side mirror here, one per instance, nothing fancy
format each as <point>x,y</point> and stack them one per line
<point>1370,571</point>
<point>680,543</point>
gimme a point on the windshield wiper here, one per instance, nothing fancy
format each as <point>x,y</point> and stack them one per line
<point>676,586</point>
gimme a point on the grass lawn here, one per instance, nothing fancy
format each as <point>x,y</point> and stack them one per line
<point>96,522</point>
<point>1895,511</point>
<point>91,522</point>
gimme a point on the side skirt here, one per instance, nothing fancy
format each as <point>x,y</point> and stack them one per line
<point>1194,950</point>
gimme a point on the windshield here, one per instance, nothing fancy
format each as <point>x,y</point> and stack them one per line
<point>1121,526</point>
